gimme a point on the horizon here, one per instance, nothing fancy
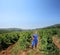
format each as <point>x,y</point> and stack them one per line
<point>29,14</point>
<point>30,28</point>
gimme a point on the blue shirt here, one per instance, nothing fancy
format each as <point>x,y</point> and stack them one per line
<point>35,36</point>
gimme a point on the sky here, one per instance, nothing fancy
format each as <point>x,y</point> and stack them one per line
<point>29,14</point>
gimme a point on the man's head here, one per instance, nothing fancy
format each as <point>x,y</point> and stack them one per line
<point>35,31</point>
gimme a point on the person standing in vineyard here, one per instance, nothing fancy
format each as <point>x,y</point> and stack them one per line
<point>35,40</point>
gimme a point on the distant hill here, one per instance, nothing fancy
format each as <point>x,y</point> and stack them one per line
<point>14,29</point>
<point>11,29</point>
<point>54,26</point>
<point>4,30</point>
<point>49,27</point>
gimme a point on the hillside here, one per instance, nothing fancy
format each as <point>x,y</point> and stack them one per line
<point>6,30</point>
<point>54,26</point>
<point>19,43</point>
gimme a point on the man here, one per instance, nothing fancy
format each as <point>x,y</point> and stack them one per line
<point>35,40</point>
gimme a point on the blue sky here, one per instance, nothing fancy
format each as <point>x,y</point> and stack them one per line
<point>29,14</point>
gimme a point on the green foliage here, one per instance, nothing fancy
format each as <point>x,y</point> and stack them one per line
<point>46,42</point>
<point>25,39</point>
<point>8,39</point>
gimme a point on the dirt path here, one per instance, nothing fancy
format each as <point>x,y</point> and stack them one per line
<point>30,51</point>
<point>56,42</point>
<point>21,53</point>
<point>24,52</point>
<point>8,50</point>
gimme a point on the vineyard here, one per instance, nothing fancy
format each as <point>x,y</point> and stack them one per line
<point>23,40</point>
